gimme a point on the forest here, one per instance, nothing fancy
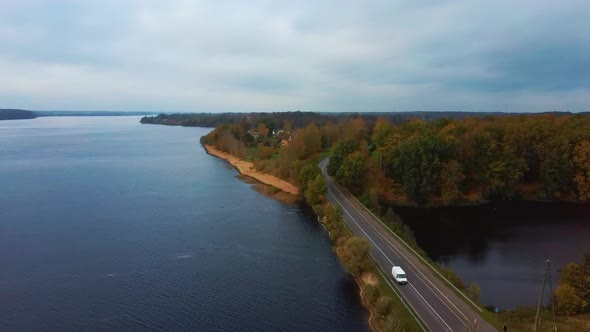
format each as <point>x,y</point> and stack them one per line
<point>299,119</point>
<point>427,163</point>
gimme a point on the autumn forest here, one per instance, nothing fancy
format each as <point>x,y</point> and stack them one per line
<point>442,162</point>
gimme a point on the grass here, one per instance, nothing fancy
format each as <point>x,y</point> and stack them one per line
<point>522,318</point>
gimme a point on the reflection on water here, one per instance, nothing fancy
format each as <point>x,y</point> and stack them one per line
<point>503,246</point>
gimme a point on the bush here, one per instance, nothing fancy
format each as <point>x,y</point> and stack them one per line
<point>383,306</point>
<point>393,323</point>
<point>371,293</point>
<point>355,255</point>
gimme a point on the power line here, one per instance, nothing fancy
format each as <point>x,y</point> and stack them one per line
<point>547,275</point>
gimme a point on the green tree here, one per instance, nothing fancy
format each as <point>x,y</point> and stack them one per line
<point>340,152</point>
<point>381,131</point>
<point>352,169</point>
<point>503,175</point>
<point>485,151</point>
<point>556,169</point>
<point>567,301</point>
<point>333,220</point>
<point>307,174</point>
<point>355,255</point>
<point>577,276</point>
<point>573,293</point>
<point>451,179</point>
<point>582,163</point>
<point>417,163</point>
<point>315,190</point>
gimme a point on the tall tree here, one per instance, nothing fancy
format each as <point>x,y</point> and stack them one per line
<point>417,163</point>
<point>451,180</point>
<point>582,163</point>
<point>556,169</point>
<point>315,190</point>
<point>340,152</point>
<point>352,169</point>
<point>355,255</point>
<point>263,130</point>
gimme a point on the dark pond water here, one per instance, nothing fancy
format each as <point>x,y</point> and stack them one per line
<point>503,247</point>
<point>106,224</point>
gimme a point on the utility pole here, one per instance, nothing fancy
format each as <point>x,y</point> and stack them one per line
<point>547,274</point>
<point>552,301</point>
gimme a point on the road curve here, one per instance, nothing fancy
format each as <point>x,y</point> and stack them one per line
<point>436,306</point>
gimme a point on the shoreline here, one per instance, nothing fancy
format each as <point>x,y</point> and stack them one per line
<point>288,192</point>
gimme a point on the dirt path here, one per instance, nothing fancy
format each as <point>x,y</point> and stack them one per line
<point>247,169</point>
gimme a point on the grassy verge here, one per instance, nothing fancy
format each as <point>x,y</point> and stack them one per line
<point>522,318</point>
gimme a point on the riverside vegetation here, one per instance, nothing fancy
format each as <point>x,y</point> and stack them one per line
<point>423,163</point>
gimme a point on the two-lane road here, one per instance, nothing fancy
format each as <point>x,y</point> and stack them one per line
<point>438,308</point>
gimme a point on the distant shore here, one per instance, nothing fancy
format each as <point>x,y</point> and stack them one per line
<point>289,191</point>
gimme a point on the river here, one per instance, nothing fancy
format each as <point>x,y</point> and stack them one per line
<point>503,247</point>
<point>107,224</point>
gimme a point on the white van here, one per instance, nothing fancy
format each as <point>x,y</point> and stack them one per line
<point>399,275</point>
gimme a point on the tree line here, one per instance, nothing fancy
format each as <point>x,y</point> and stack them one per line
<point>442,162</point>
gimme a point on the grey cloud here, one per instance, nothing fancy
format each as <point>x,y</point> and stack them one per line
<point>314,55</point>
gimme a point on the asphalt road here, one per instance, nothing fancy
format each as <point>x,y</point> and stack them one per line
<point>436,306</point>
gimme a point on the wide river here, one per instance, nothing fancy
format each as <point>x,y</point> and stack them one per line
<point>107,224</point>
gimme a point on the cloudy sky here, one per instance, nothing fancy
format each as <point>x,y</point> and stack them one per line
<point>210,56</point>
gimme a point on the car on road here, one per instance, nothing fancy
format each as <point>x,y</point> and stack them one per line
<point>399,275</point>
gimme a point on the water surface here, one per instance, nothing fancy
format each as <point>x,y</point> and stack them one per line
<point>503,247</point>
<point>107,224</point>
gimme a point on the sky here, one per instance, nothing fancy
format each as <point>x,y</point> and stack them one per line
<point>322,55</point>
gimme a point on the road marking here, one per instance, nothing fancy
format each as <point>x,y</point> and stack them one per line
<point>400,253</point>
<point>402,299</point>
<point>378,248</point>
<point>408,261</point>
<point>431,308</point>
<point>415,253</point>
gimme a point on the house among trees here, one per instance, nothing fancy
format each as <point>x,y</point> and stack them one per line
<point>253,134</point>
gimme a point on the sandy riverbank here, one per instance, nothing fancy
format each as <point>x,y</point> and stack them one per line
<point>247,169</point>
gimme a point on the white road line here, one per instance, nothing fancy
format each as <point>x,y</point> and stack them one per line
<point>392,246</point>
<point>422,258</point>
<point>431,308</point>
<point>403,300</point>
<point>378,248</point>
<point>409,261</point>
